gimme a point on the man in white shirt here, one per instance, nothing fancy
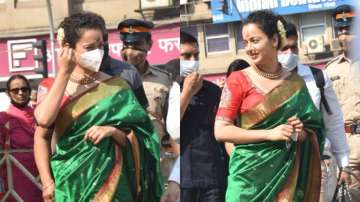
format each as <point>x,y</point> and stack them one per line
<point>336,144</point>
<point>172,193</point>
<point>173,112</point>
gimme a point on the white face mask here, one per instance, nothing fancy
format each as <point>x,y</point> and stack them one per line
<point>288,60</point>
<point>91,60</point>
<point>188,66</point>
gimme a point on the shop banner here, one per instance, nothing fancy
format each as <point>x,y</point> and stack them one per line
<point>237,10</point>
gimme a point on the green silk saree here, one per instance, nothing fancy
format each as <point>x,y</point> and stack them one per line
<point>106,172</point>
<point>269,171</point>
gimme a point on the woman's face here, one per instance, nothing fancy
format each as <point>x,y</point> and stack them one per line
<point>19,92</point>
<point>258,46</point>
<point>91,39</point>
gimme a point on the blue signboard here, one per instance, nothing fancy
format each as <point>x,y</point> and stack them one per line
<point>236,10</point>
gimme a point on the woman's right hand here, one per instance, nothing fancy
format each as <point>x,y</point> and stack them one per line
<point>49,193</point>
<point>281,132</point>
<point>66,59</point>
<point>192,83</point>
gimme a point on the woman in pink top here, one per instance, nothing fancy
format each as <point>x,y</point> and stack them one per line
<point>17,127</point>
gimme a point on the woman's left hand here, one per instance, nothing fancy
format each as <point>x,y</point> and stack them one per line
<point>96,133</point>
<point>299,128</point>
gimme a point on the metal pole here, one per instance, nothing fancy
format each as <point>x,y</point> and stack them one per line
<point>25,172</point>
<point>7,154</point>
<point>52,40</point>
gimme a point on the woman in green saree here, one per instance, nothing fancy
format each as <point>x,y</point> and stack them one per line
<point>104,146</point>
<point>279,139</point>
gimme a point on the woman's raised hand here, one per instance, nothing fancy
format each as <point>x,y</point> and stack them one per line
<point>66,59</point>
<point>281,132</point>
<point>96,133</point>
<point>299,127</point>
<point>285,131</point>
<point>193,83</point>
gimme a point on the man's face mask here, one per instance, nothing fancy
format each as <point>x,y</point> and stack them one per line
<point>288,60</point>
<point>188,66</point>
<point>91,60</point>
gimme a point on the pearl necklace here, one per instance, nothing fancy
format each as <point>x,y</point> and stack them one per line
<point>275,75</point>
<point>84,79</point>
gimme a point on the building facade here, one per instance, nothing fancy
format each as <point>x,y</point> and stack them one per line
<point>220,37</point>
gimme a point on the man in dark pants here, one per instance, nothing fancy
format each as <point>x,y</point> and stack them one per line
<point>203,175</point>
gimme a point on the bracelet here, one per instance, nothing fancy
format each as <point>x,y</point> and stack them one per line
<point>47,186</point>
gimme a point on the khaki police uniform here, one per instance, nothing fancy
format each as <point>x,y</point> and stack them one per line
<point>345,75</point>
<point>157,84</point>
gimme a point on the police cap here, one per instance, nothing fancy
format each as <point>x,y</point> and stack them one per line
<point>343,15</point>
<point>132,30</point>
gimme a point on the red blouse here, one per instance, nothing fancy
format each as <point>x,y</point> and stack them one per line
<point>44,88</point>
<point>238,96</point>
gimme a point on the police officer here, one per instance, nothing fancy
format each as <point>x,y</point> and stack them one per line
<point>125,70</point>
<point>344,72</point>
<point>136,37</point>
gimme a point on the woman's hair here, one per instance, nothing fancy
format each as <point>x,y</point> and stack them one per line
<point>236,65</point>
<point>268,22</point>
<point>75,25</point>
<point>17,76</point>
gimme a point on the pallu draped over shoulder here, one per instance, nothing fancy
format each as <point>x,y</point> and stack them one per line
<point>106,172</point>
<point>270,170</point>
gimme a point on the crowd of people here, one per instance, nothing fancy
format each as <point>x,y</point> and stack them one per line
<point>110,130</point>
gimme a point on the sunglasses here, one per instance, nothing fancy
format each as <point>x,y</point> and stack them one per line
<point>22,89</point>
